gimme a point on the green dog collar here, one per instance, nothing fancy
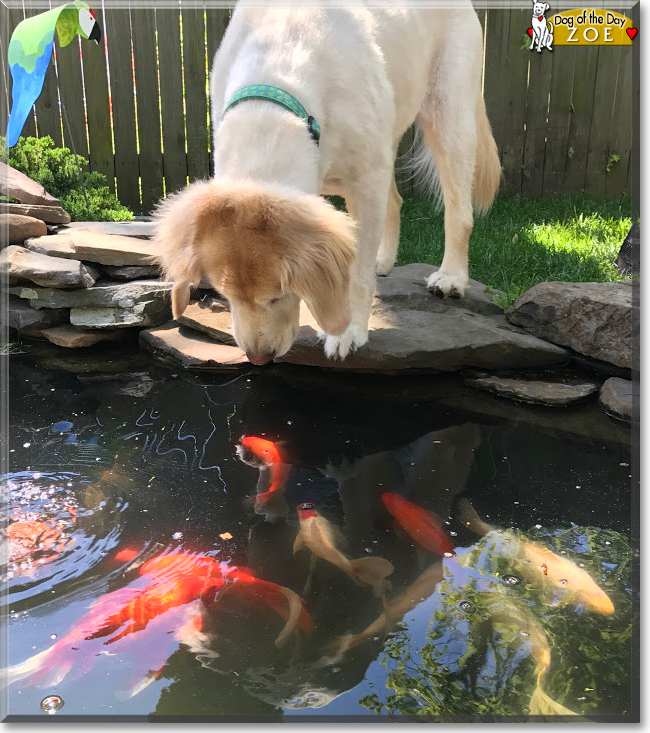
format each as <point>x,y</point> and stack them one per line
<point>279,96</point>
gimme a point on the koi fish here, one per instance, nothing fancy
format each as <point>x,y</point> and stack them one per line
<point>545,569</point>
<point>176,582</point>
<point>320,537</point>
<point>269,454</point>
<point>504,611</point>
<point>421,526</point>
<point>28,537</point>
<point>421,589</point>
<point>553,572</point>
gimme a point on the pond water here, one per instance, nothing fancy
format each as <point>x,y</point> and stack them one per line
<point>133,492</point>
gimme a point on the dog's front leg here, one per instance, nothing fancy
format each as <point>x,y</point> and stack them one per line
<point>367,204</point>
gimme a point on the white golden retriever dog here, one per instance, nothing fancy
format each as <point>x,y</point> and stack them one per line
<point>261,232</point>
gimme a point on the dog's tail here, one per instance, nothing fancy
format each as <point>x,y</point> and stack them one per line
<point>421,165</point>
<point>487,175</point>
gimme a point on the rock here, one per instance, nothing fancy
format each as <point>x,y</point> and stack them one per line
<point>192,350</point>
<point>18,264</point>
<point>15,229</point>
<point>209,316</point>
<point>107,305</point>
<point>17,185</point>
<point>406,286</point>
<point>21,317</point>
<point>583,419</point>
<point>142,315</point>
<point>104,249</point>
<point>403,339</point>
<point>133,272</point>
<point>48,214</point>
<point>628,260</point>
<point>112,358</point>
<point>616,398</point>
<point>552,393</point>
<point>71,337</point>
<point>594,319</point>
<point>143,229</point>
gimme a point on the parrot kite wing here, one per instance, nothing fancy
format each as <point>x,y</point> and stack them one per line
<point>30,52</point>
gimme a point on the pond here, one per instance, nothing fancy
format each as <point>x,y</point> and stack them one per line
<point>143,579</point>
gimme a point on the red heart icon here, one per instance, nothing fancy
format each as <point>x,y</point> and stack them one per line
<point>631,32</point>
<point>530,32</point>
<point>540,17</point>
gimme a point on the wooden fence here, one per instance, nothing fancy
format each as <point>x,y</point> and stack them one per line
<point>562,120</point>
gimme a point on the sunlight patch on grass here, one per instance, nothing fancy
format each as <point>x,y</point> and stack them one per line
<point>522,242</point>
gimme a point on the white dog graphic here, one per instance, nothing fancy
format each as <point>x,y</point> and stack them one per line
<point>542,29</point>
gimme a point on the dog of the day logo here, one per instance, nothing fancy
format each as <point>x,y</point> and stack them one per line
<point>584,27</point>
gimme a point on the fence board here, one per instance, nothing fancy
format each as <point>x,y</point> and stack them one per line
<point>15,15</point>
<point>73,109</point>
<point>559,117</point>
<point>621,132</point>
<point>601,120</point>
<point>171,99</point>
<point>48,114</point>
<point>100,138</point>
<point>582,103</point>
<point>147,106</point>
<point>537,99</point>
<point>494,78</point>
<point>216,23</point>
<point>516,62</point>
<point>196,110</point>
<point>127,174</point>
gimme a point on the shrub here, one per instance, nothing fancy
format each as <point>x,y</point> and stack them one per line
<point>85,196</point>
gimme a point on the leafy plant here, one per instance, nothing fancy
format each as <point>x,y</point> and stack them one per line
<point>613,159</point>
<point>525,42</point>
<point>84,195</point>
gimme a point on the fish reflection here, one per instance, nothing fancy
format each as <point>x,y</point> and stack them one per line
<point>395,610</point>
<point>180,588</point>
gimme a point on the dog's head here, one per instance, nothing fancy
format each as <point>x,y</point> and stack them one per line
<point>539,9</point>
<point>265,249</point>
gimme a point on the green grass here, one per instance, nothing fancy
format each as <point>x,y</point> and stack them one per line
<point>522,242</point>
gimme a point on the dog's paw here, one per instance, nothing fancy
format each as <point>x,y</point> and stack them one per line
<point>442,284</point>
<point>338,347</point>
<point>384,264</point>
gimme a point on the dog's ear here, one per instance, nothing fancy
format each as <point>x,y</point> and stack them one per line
<point>319,249</point>
<point>181,221</point>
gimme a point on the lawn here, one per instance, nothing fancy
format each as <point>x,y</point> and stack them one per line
<point>522,242</point>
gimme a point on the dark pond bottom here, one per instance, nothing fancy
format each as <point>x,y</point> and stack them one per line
<point>132,492</point>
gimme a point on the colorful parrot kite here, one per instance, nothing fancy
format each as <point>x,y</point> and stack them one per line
<point>30,51</point>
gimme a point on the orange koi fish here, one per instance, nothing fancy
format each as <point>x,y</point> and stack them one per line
<point>420,525</point>
<point>180,586</point>
<point>270,454</point>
